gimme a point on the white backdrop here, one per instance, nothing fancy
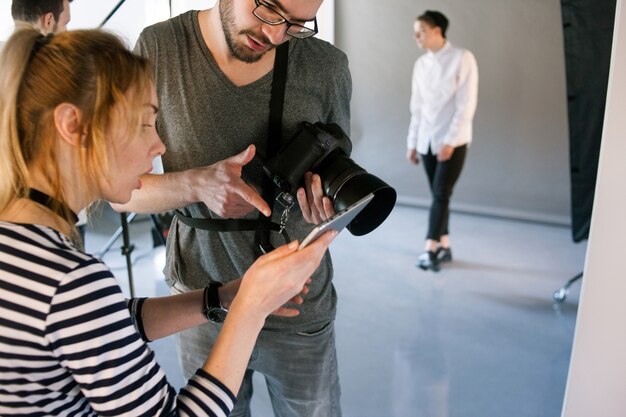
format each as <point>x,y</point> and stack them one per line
<point>596,385</point>
<point>134,15</point>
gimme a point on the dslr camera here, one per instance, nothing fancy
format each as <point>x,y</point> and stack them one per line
<point>325,149</point>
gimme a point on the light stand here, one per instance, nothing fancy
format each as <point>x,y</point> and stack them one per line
<point>561,294</point>
<point>106,19</point>
<point>127,248</point>
<point>117,233</point>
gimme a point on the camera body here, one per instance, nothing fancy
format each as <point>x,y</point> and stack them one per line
<point>325,150</point>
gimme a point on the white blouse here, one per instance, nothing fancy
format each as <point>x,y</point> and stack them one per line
<point>443,99</point>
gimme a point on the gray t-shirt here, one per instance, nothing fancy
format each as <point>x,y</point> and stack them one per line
<point>205,118</point>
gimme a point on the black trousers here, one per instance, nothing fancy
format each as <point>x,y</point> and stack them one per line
<point>442,176</point>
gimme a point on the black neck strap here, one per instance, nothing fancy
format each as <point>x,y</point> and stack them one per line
<point>274,133</point>
<point>277,99</point>
<point>52,203</point>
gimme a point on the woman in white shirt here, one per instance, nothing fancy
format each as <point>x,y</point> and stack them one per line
<point>443,103</point>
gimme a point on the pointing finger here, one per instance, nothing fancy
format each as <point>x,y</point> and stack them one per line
<point>253,198</point>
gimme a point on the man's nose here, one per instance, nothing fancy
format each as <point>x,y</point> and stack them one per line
<point>276,34</point>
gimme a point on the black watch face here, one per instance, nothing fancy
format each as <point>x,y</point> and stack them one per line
<point>217,315</point>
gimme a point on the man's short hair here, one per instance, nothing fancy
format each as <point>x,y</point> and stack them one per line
<point>435,19</point>
<point>31,10</point>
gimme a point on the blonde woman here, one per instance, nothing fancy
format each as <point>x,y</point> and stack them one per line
<point>77,115</point>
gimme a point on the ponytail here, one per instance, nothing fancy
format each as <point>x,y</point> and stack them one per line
<point>14,60</point>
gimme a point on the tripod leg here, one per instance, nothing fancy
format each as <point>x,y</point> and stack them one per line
<point>127,249</point>
<point>561,294</point>
<point>113,238</point>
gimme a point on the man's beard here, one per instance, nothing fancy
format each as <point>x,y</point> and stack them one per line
<point>241,52</point>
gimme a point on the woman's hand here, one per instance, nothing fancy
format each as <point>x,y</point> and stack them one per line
<point>228,292</point>
<point>280,277</point>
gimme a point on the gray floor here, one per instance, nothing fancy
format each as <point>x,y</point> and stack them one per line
<point>481,338</point>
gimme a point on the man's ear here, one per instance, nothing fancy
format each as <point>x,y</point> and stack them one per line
<point>67,120</point>
<point>46,22</point>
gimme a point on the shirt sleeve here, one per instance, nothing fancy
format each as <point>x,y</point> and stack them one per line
<point>90,331</point>
<point>341,94</point>
<point>140,45</point>
<point>415,107</point>
<point>465,100</point>
<point>135,306</point>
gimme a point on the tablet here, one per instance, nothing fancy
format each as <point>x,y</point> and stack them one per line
<point>338,221</point>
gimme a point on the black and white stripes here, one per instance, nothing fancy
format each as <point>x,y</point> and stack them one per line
<point>67,342</point>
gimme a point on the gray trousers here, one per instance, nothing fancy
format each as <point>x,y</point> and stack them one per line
<point>300,369</point>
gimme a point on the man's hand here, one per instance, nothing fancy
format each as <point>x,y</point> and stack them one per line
<point>221,188</point>
<point>314,205</point>
<point>411,155</point>
<point>445,153</point>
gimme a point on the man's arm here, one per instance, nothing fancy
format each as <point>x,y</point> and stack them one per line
<point>156,195</point>
<point>465,99</point>
<point>219,186</point>
<point>415,106</point>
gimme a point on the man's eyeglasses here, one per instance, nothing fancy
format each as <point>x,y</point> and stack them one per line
<point>267,14</point>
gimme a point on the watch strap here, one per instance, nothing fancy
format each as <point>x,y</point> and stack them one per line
<point>212,302</point>
<point>211,295</point>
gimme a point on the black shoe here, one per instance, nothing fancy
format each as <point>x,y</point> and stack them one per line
<point>428,260</point>
<point>444,254</point>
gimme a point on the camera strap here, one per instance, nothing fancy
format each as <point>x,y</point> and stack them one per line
<point>274,132</point>
<point>227,225</point>
<point>261,226</point>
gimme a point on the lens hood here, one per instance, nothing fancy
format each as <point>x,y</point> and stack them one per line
<point>357,187</point>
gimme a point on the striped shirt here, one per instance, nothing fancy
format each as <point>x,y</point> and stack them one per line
<point>67,343</point>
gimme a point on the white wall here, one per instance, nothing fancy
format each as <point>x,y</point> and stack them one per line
<point>518,165</point>
<point>596,383</point>
<point>6,24</point>
<point>134,15</point>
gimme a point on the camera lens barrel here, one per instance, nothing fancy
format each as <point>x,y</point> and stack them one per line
<point>345,183</point>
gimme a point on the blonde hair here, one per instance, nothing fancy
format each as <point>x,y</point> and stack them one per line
<point>89,69</point>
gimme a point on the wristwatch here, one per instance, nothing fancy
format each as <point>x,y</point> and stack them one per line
<point>213,310</point>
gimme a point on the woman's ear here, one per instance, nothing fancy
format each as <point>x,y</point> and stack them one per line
<point>67,122</point>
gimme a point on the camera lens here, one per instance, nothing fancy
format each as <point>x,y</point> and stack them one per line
<point>345,183</point>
